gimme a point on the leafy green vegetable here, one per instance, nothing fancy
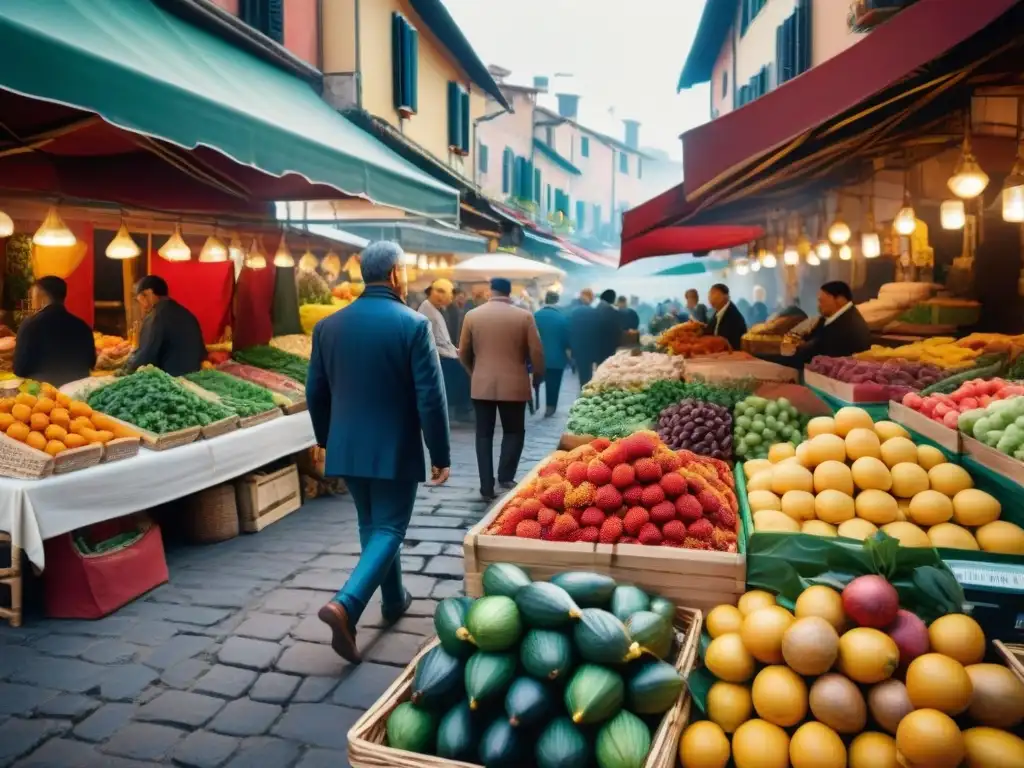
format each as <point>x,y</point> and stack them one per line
<point>276,360</point>
<point>154,401</point>
<point>242,397</point>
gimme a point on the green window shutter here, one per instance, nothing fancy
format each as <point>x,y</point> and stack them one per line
<point>454,117</point>
<point>548,206</point>
<point>517,175</point>
<point>639,167</point>
<point>466,119</point>
<point>536,185</point>
<point>507,163</point>
<point>624,163</point>
<point>397,47</point>
<point>526,187</point>
<point>482,159</point>
<point>412,67</point>
<point>581,215</point>
<point>597,218</point>
<point>265,16</point>
<point>404,65</point>
<point>584,146</point>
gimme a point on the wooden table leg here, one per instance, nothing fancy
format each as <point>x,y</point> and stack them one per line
<point>11,577</point>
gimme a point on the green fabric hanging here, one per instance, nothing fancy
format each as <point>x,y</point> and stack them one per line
<point>285,310</point>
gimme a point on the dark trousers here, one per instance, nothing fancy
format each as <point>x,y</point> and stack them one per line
<point>552,386</point>
<point>586,371</point>
<point>456,388</point>
<point>513,425</point>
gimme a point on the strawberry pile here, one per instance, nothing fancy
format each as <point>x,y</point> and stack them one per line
<point>635,490</point>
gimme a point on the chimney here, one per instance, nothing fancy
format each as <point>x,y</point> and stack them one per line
<point>568,105</point>
<point>632,134</point>
<point>498,73</point>
<point>540,82</point>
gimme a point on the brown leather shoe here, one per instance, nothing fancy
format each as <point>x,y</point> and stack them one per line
<point>343,639</point>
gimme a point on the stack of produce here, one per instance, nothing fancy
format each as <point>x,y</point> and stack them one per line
<point>704,428</point>
<point>275,382</point>
<point>760,422</point>
<point>876,381</point>
<point>632,491</point>
<point>984,367</point>
<point>312,288</point>
<point>237,395</point>
<point>154,401</point>
<point>852,680</point>
<point>767,337</point>
<point>559,674</point>
<point>295,343</point>
<point>940,351</point>
<point>274,360</point>
<point>999,425</point>
<point>688,340</point>
<point>853,478</point>
<point>994,342</point>
<point>976,393</point>
<point>625,369</point>
<point>53,422</point>
<point>111,351</point>
<point>311,314</point>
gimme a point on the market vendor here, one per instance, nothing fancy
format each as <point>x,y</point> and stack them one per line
<point>727,322</point>
<point>170,337</point>
<point>841,331</point>
<point>53,345</point>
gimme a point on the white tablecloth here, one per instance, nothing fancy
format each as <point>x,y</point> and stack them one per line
<point>35,510</point>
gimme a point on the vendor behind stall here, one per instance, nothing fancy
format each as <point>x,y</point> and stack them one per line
<point>840,332</point>
<point>53,345</point>
<point>170,338</point>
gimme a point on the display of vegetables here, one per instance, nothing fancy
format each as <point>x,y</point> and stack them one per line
<point>689,340</point>
<point>242,397</point>
<point>984,367</point>
<point>759,423</point>
<point>154,401</point>
<point>999,425</point>
<point>295,343</point>
<point>940,351</point>
<point>275,360</point>
<point>877,381</point>
<point>704,428</point>
<point>312,288</point>
<point>543,674</point>
<point>275,382</point>
<point>626,369</point>
<point>976,393</point>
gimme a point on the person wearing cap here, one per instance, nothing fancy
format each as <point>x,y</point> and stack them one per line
<point>439,298</point>
<point>498,339</point>
<point>170,337</point>
<point>53,345</point>
<point>376,395</point>
<point>553,327</point>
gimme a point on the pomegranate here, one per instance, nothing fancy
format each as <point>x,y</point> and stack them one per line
<point>871,601</point>
<point>910,635</point>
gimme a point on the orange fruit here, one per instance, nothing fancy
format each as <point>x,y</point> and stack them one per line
<point>63,400</point>
<point>39,421</point>
<point>43,405</point>
<point>55,432</point>
<point>104,435</point>
<point>18,431</point>
<point>48,390</point>
<point>75,441</point>
<point>22,412</point>
<point>24,398</point>
<point>60,417</point>
<point>6,403</point>
<point>78,408</point>
<point>54,447</point>
<point>36,440</point>
<point>5,421</point>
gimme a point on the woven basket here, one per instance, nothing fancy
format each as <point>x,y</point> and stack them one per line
<point>211,516</point>
<point>20,460</point>
<point>222,427</point>
<point>77,458</point>
<point>121,448</point>
<point>1013,655</point>
<point>366,739</point>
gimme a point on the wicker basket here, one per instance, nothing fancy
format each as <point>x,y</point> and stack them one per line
<point>245,422</point>
<point>211,516</point>
<point>366,747</point>
<point>1013,654</point>
<point>77,458</point>
<point>221,427</point>
<point>22,461</point>
<point>121,448</point>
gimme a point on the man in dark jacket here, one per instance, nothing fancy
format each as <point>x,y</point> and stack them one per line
<point>170,337</point>
<point>841,331</point>
<point>583,335</point>
<point>609,327</point>
<point>374,387</point>
<point>553,327</point>
<point>53,345</point>
<point>727,322</point>
<point>628,317</point>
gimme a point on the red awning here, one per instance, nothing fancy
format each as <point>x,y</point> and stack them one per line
<point>668,241</point>
<point>894,51</point>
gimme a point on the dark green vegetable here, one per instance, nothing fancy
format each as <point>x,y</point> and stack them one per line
<point>985,367</point>
<point>664,608</point>
<point>589,590</point>
<point>624,742</point>
<point>653,689</point>
<point>449,619</point>
<point>242,397</point>
<point>488,676</point>
<point>154,401</point>
<point>602,639</point>
<point>456,735</point>
<point>410,728</point>
<point>502,746</point>
<point>546,654</point>
<point>594,694</point>
<point>276,360</point>
<point>652,632</point>
<point>527,702</point>
<point>493,624</point>
<point>627,600</point>
<point>562,745</point>
<point>546,606</point>
<point>438,675</point>
<point>504,579</point>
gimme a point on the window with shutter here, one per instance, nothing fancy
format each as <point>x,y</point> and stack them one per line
<point>624,163</point>
<point>548,207</point>
<point>517,176</point>
<point>581,215</point>
<point>536,185</point>
<point>584,146</point>
<point>482,158</point>
<point>454,118</point>
<point>597,218</point>
<point>265,16</point>
<point>507,168</point>
<point>404,65</point>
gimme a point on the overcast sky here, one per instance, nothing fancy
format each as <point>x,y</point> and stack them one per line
<point>624,55</point>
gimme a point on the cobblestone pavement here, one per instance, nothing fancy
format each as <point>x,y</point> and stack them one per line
<point>227,665</point>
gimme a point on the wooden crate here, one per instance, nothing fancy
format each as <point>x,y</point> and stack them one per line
<point>1007,466</point>
<point>941,435</point>
<point>10,576</point>
<point>264,498</point>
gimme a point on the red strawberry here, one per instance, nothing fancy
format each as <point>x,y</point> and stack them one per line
<point>701,529</point>
<point>726,519</point>
<point>623,476</point>
<point>611,530</point>
<point>649,534</point>
<point>598,473</point>
<point>575,535</point>
<point>709,502</point>
<point>592,516</point>
<point>576,514</point>
<point>688,509</point>
<point>528,529</point>
<point>554,496</point>
<point>673,484</point>
<point>576,473</point>
<point>631,496</point>
<point>507,526</point>
<point>614,455</point>
<point>546,516</point>
<point>564,525</point>
<point>628,540</point>
<point>590,534</point>
<point>530,508</point>
<point>600,443</point>
<point>608,498</point>
<point>674,530</point>
<point>647,470</point>
<point>635,519</point>
<point>663,512</point>
<point>545,532</point>
<point>652,496</point>
<point>669,462</point>
<point>639,445</point>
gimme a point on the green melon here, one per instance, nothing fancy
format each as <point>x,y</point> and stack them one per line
<point>652,632</point>
<point>623,742</point>
<point>493,624</point>
<point>488,676</point>
<point>664,608</point>
<point>603,639</point>
<point>456,736</point>
<point>527,703</point>
<point>627,600</point>
<point>654,688</point>
<point>504,580</point>
<point>546,654</point>
<point>594,694</point>
<point>502,746</point>
<point>546,606</point>
<point>562,745</point>
<point>589,590</point>
<point>410,728</point>
<point>450,625</point>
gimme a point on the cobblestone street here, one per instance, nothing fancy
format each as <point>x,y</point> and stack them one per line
<point>227,664</point>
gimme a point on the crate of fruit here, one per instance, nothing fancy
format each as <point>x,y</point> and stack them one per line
<point>632,509</point>
<point>550,674</point>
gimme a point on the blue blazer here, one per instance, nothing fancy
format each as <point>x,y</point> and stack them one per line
<point>374,385</point>
<point>553,326</point>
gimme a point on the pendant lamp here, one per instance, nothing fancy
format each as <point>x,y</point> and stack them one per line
<point>213,252</point>
<point>791,257</point>
<point>812,259</point>
<point>6,225</point>
<point>742,267</point>
<point>255,258</point>
<point>175,249</point>
<point>755,265</point>
<point>123,246</point>
<point>236,251</point>
<point>952,214</point>
<point>845,253</point>
<point>839,231</point>
<point>823,250</point>
<point>1013,187</point>
<point>308,262</point>
<point>422,263</point>
<point>53,232</point>
<point>283,256</point>
<point>968,179</point>
<point>769,261</point>
<point>906,220</point>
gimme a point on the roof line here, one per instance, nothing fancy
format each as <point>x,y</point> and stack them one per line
<point>611,141</point>
<point>552,154</point>
<point>715,23</point>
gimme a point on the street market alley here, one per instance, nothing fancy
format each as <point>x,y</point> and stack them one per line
<point>228,664</point>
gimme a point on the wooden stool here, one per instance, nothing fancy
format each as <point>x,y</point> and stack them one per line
<point>11,577</point>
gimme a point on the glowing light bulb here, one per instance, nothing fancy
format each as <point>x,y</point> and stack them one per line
<point>823,250</point>
<point>236,250</point>
<point>283,256</point>
<point>175,249</point>
<point>839,233</point>
<point>968,179</point>
<point>755,265</point>
<point>790,257</point>
<point>53,232</point>
<point>952,214</point>
<point>905,222</point>
<point>255,258</point>
<point>6,225</point>
<point>308,262</point>
<point>1013,195</point>
<point>845,253</point>
<point>213,251</point>
<point>123,246</point>
<point>870,245</point>
<point>812,259</point>
<point>769,261</point>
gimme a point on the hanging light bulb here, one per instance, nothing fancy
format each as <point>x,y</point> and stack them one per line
<point>812,259</point>
<point>432,263</point>
<point>283,256</point>
<point>6,225</point>
<point>255,258</point>
<point>769,261</point>
<point>839,232</point>
<point>742,267</point>
<point>308,262</point>
<point>175,249</point>
<point>823,250</point>
<point>906,220</point>
<point>791,257</point>
<point>968,179</point>
<point>236,251</point>
<point>845,253</point>
<point>53,232</point>
<point>1013,193</point>
<point>422,263</point>
<point>213,251</point>
<point>870,245</point>
<point>122,246</point>
<point>952,214</point>
<point>755,265</point>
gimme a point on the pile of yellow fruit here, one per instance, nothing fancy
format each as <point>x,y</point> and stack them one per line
<point>940,351</point>
<point>810,689</point>
<point>853,477</point>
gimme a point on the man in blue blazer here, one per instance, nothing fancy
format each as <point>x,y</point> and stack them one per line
<point>374,386</point>
<point>553,326</point>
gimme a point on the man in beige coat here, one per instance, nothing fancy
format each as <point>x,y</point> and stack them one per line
<point>498,340</point>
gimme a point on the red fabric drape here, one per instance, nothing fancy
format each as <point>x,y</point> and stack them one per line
<point>254,300</point>
<point>204,289</point>
<point>81,283</point>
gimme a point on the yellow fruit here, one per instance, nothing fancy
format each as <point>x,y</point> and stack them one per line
<point>850,418</point>
<point>857,529</point>
<point>816,746</point>
<point>824,602</point>
<point>908,479</point>
<point>833,506</point>
<point>803,455</point>
<point>779,695</point>
<point>907,534</point>
<point>727,659</point>
<point>927,738</point>
<point>929,456</point>
<point>1002,537</point>
<point>760,744</point>
<point>887,430</point>
<point>759,500</point>
<point>821,425</point>
<point>951,536</point>
<point>862,442</point>
<point>43,405</point>
<point>810,646</point>
<point>762,633</point>
<point>774,521</point>
<point>867,655</point>
<point>818,528</point>
<point>791,477</point>
<point>724,619</point>
<point>998,698</point>
<point>949,479</point>
<point>935,681</point>
<point>876,506</point>
<point>870,473</point>
<point>958,636</point>
<point>36,440</point>
<point>22,412</point>
<point>55,432</point>
<point>838,703</point>
<point>899,450</point>
<point>24,398</point>
<point>754,600</point>
<point>930,508</point>
<point>993,748</point>
<point>873,750</point>
<point>78,408</point>
<point>704,745</point>
<point>18,431</point>
<point>798,504</point>
<point>834,475</point>
<point>729,705</point>
<point>824,448</point>
<point>762,481</point>
<point>75,441</point>
<point>39,422</point>
<point>780,451</point>
<point>60,417</point>
<point>973,507</point>
<point>889,704</point>
<point>752,467</point>
<point>53,447</point>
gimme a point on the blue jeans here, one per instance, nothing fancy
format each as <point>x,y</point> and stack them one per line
<point>384,508</point>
